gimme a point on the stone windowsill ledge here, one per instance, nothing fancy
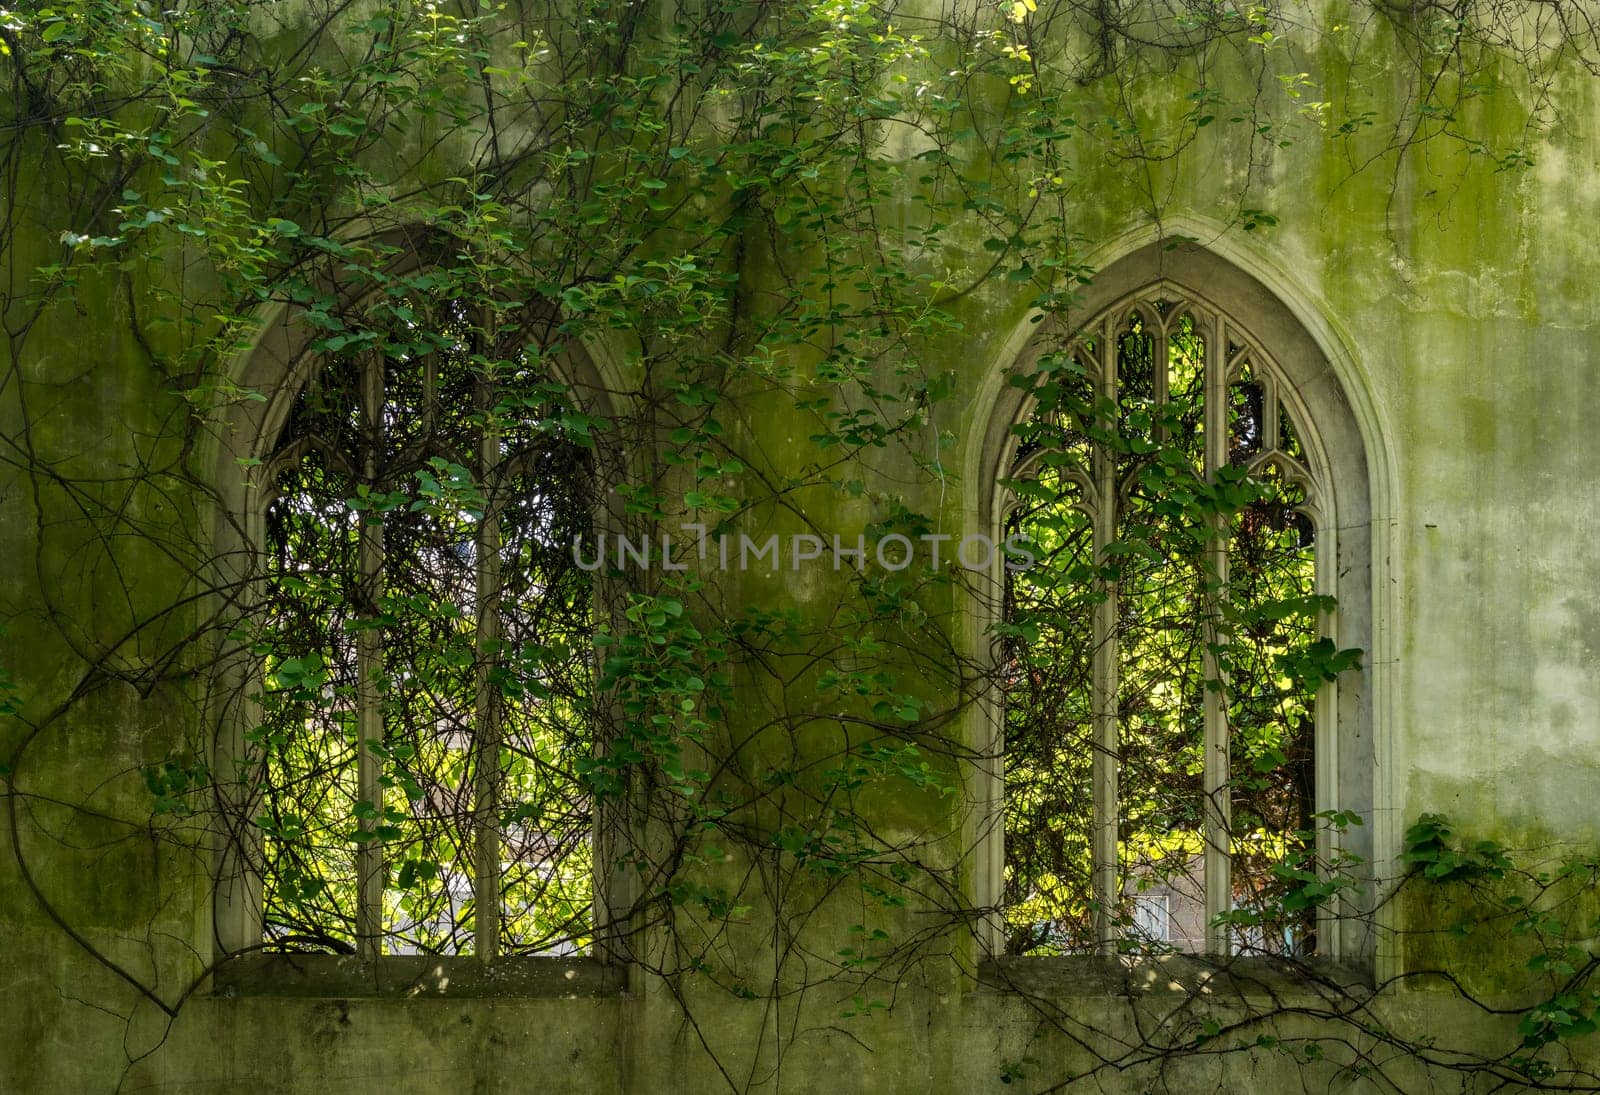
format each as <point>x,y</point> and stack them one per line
<point>1253,978</point>
<point>417,976</point>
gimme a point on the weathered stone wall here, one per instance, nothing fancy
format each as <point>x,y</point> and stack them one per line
<point>1452,301</point>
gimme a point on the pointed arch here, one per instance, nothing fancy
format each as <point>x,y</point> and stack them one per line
<point>1312,438</point>
<point>262,436</point>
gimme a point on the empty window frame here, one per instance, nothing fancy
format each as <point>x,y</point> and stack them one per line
<point>424,643</point>
<point>1159,716</point>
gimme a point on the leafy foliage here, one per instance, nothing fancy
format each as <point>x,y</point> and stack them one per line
<point>526,273</point>
<point>1428,846</point>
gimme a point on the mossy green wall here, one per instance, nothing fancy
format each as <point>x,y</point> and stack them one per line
<point>1456,304</point>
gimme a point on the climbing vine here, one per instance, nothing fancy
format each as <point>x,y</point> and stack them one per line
<point>492,370</point>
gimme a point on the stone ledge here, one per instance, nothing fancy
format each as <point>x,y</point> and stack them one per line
<point>416,976</point>
<point>1252,978</point>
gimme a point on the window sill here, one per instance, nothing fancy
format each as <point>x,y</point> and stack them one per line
<point>416,976</point>
<point>1253,978</point>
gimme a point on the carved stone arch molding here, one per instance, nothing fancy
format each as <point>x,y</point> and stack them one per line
<point>265,382</point>
<point>1298,370</point>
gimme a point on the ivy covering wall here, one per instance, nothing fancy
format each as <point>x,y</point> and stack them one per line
<point>329,327</point>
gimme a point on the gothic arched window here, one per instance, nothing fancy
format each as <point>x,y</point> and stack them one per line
<point>424,642</point>
<point>1170,660</point>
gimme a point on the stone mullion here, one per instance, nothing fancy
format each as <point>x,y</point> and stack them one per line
<point>1217,805</point>
<point>488,729</point>
<point>1104,683</point>
<point>369,667</point>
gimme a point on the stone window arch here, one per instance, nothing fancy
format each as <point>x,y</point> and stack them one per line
<point>412,690</point>
<point>1119,790</point>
